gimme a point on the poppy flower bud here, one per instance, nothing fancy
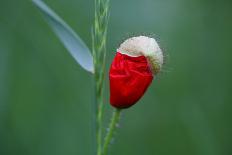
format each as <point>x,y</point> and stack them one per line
<point>137,61</point>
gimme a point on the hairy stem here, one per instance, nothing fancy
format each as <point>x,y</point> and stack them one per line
<point>99,53</point>
<point>112,126</point>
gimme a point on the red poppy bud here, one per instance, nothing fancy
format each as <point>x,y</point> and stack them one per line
<point>136,62</point>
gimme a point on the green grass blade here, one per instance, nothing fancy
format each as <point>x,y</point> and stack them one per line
<point>68,37</point>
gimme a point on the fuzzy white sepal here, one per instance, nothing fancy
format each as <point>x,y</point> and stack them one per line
<point>144,46</point>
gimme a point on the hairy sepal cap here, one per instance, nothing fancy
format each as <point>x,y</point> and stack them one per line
<point>136,62</point>
<point>144,46</point>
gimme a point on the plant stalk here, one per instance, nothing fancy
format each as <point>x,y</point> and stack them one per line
<point>113,124</point>
<point>99,53</point>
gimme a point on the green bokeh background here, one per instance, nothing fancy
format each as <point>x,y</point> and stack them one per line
<point>46,98</point>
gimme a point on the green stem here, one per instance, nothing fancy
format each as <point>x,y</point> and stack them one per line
<point>111,129</point>
<point>99,126</point>
<point>99,35</point>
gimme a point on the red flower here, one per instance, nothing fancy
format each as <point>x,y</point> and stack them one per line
<point>132,70</point>
<point>129,79</point>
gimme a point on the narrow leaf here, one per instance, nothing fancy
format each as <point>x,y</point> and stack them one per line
<point>68,37</point>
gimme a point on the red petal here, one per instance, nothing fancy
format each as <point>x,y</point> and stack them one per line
<point>129,79</point>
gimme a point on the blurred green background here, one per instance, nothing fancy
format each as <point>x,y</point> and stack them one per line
<point>46,98</point>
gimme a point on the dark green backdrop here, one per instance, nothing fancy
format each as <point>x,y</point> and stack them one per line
<point>45,97</point>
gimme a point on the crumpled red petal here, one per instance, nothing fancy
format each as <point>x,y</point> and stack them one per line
<point>129,79</point>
